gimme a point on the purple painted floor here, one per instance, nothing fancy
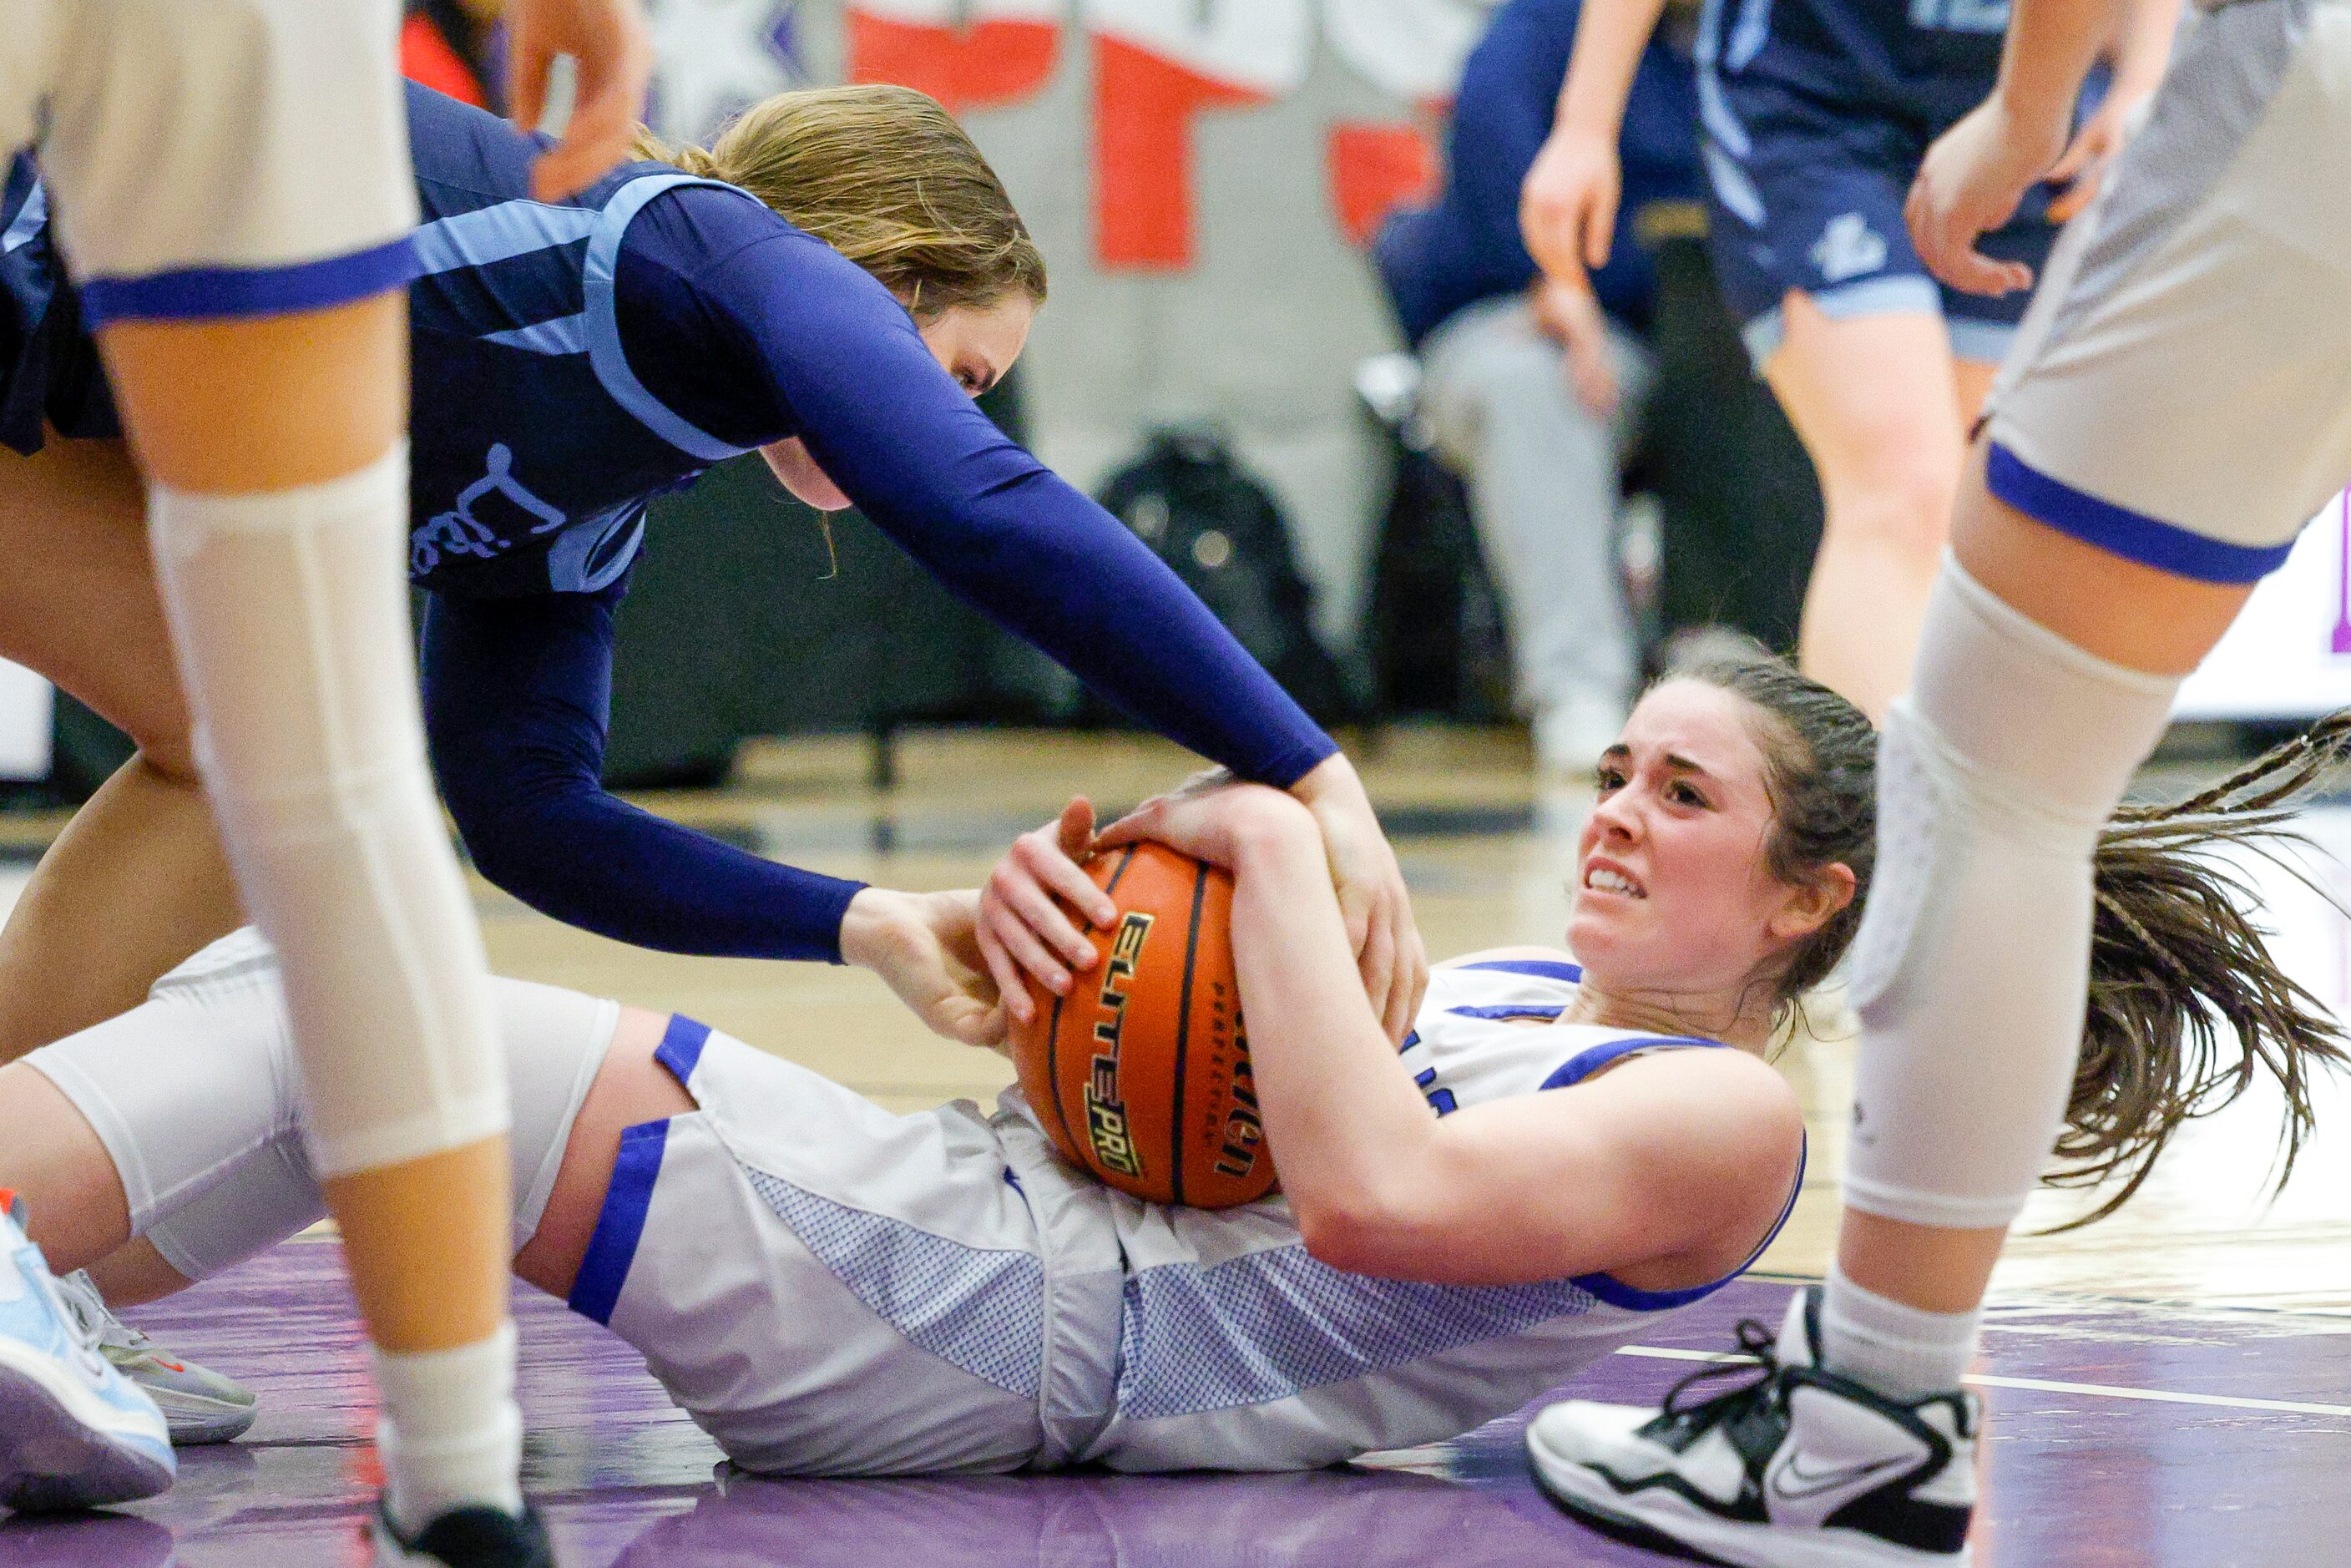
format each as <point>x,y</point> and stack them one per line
<point>2210,1472</point>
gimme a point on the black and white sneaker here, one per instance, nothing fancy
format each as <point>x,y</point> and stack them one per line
<point>1799,1469</point>
<point>466,1538</point>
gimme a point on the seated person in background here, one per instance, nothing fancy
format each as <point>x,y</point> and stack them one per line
<point>1534,389</point>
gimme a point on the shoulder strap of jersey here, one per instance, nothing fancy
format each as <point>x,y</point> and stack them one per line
<point>603,327</point>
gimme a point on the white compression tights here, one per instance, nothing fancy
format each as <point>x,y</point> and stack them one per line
<point>1971,968</point>
<point>289,613</point>
<point>196,1095</point>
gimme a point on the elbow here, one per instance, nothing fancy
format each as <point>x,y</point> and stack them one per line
<point>1362,1231</point>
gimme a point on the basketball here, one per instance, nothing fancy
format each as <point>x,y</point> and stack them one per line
<point>1141,1074</point>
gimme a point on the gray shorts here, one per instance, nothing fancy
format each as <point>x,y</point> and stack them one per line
<point>2180,393</point>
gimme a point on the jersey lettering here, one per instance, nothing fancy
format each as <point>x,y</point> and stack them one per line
<point>458,532</point>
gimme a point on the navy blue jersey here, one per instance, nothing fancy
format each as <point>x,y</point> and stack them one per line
<point>1467,246</point>
<point>573,359</point>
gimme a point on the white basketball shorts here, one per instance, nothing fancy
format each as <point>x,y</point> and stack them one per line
<point>216,158</point>
<point>2180,393</point>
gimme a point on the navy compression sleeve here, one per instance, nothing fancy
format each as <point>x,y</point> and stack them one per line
<point>517,696</point>
<point>847,371</point>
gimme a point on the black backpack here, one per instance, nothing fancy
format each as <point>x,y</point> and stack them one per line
<point>1220,529</point>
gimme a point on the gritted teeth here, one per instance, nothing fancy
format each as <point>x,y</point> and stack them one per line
<point>1604,880</point>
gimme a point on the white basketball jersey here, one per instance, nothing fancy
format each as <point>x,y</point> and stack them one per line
<point>1240,1351</point>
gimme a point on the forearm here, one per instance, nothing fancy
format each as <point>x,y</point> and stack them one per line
<point>1610,36</point>
<point>2050,48</point>
<point>2144,49</point>
<point>592,860</point>
<point>1347,1128</point>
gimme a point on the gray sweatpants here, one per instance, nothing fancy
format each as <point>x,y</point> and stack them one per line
<point>1543,476</point>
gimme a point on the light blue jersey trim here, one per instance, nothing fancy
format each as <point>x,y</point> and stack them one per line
<point>1891,294</point>
<point>30,220</point>
<point>1985,342</point>
<point>1732,188</point>
<point>499,233</point>
<point>603,327</point>
<point>1748,34</point>
<point>564,335</point>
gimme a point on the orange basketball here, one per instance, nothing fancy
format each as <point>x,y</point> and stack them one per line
<point>1141,1074</point>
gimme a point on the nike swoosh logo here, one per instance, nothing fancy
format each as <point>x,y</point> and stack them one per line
<point>1795,1483</point>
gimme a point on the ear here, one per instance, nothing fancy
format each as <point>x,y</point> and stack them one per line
<point>1815,905</point>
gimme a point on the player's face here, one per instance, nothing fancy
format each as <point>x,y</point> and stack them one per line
<point>975,345</point>
<point>1673,890</point>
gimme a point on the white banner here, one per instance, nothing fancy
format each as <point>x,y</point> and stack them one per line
<point>2289,654</point>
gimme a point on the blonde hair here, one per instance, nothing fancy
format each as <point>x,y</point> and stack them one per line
<point>885,176</point>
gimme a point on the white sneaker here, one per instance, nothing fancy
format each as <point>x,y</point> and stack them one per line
<point>1800,1469</point>
<point>199,1404</point>
<point>74,1432</point>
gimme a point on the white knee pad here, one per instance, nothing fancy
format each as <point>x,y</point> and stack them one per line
<point>290,613</point>
<point>1970,971</point>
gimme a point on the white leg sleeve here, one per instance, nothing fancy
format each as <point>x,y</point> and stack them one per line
<point>196,1096</point>
<point>289,614</point>
<point>1971,968</point>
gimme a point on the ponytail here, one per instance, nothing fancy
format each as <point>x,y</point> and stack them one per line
<point>2186,1006</point>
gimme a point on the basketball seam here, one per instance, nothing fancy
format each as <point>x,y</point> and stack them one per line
<point>1175,1130</point>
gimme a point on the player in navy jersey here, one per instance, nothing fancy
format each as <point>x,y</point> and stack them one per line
<point>573,359</point>
<point>1814,115</point>
<point>827,1287</point>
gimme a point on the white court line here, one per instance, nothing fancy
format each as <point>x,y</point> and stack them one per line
<point>2043,1385</point>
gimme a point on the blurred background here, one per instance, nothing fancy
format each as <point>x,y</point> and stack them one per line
<point>1227,192</point>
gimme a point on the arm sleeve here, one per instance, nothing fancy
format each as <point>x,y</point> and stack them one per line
<point>903,440</point>
<point>517,698</point>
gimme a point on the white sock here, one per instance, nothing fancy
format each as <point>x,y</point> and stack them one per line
<point>1900,1351</point>
<point>451,1433</point>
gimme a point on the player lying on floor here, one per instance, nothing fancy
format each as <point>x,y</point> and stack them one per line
<point>1556,1157</point>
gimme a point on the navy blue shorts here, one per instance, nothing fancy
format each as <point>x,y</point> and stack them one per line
<point>49,369</point>
<point>1808,164</point>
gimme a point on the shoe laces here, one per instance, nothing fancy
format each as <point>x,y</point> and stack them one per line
<point>93,1318</point>
<point>1760,1356</point>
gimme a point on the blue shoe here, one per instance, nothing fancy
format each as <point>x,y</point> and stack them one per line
<point>74,1432</point>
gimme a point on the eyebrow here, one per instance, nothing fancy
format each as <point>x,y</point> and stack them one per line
<point>1674,761</point>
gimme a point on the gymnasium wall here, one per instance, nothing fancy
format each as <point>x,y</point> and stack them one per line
<point>1197,172</point>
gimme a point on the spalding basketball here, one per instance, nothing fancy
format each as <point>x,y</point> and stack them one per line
<point>1141,1074</point>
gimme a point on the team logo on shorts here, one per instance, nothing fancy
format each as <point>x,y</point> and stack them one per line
<point>1106,1125</point>
<point>1848,247</point>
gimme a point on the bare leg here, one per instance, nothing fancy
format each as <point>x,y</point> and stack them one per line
<point>76,1210</point>
<point>1876,400</point>
<point>136,881</point>
<point>2129,614</point>
<point>271,445</point>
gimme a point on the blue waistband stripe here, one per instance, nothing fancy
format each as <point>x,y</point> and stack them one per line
<point>225,292</point>
<point>2118,530</point>
<point>499,233</point>
<point>681,1047</point>
<point>596,1290</point>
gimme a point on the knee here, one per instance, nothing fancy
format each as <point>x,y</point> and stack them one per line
<point>1900,505</point>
